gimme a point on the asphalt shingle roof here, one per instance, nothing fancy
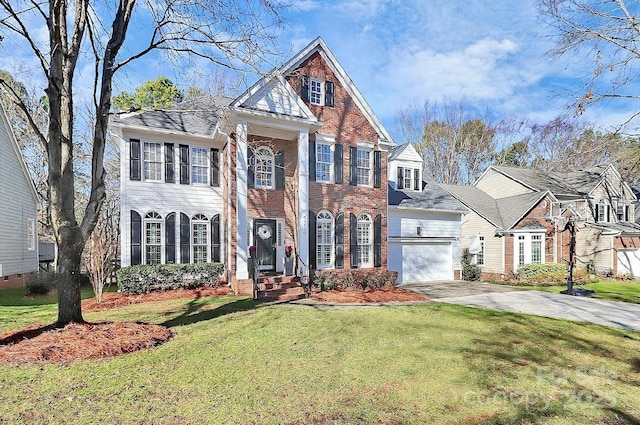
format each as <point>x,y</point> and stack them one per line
<point>432,198</point>
<point>198,116</point>
<point>476,200</point>
<point>571,183</point>
<point>395,151</point>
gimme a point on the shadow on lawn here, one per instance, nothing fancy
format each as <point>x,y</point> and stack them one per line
<point>555,352</point>
<point>194,311</point>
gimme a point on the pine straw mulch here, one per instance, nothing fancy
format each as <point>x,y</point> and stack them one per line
<point>367,296</point>
<point>78,341</point>
<point>115,299</point>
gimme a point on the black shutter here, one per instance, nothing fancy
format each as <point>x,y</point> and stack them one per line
<point>400,182</point>
<point>337,163</point>
<point>377,169</point>
<point>377,241</point>
<point>250,173</point>
<point>608,214</point>
<point>214,165</point>
<point>353,166</point>
<point>312,240</point>
<point>328,93</point>
<point>626,213</point>
<point>170,238</point>
<point>136,238</point>
<point>353,240</point>
<point>215,238</point>
<point>312,161</point>
<point>169,173</point>
<point>596,215</point>
<point>339,262</point>
<point>185,239</point>
<point>279,169</point>
<point>134,159</point>
<point>304,92</point>
<point>184,164</point>
<point>417,181</point>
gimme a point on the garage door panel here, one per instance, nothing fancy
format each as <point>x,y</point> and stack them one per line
<point>426,262</point>
<point>629,262</point>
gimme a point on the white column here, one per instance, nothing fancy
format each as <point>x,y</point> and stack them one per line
<point>303,199</point>
<point>242,244</point>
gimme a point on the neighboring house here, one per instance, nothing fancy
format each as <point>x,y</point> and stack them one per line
<point>297,160</point>
<point>18,198</point>
<point>517,219</point>
<point>424,222</point>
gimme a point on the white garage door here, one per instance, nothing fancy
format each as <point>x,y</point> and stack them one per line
<point>629,262</point>
<point>421,262</point>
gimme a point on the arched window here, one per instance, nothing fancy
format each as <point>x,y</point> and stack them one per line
<point>200,232</point>
<point>152,238</point>
<point>324,239</point>
<point>365,241</point>
<point>264,167</point>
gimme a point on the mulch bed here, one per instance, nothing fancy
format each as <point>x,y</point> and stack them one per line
<point>78,341</point>
<point>367,296</point>
<point>114,299</point>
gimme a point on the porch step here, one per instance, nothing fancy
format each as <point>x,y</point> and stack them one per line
<point>284,294</point>
<point>278,282</point>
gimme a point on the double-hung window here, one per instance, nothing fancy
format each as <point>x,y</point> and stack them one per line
<point>408,178</point>
<point>152,161</point>
<point>324,239</point>
<point>199,231</point>
<point>363,164</point>
<point>521,250</point>
<point>199,166</point>
<point>365,241</point>
<point>152,238</point>
<point>603,209</point>
<point>264,162</point>
<point>324,163</point>
<point>480,254</point>
<point>536,249</point>
<point>621,212</point>
<point>315,91</point>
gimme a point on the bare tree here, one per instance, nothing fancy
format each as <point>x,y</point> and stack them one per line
<point>229,33</point>
<point>606,32</point>
<point>455,145</point>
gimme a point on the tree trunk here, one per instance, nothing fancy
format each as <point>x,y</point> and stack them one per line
<point>69,258</point>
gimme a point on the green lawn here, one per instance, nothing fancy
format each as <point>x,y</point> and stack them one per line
<point>614,291</point>
<point>235,361</point>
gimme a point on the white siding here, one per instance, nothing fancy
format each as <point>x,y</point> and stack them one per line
<point>17,209</point>
<point>497,185</point>
<point>433,224</point>
<point>473,225</point>
<point>164,198</point>
<point>274,97</point>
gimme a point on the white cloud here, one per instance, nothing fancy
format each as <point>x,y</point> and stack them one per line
<point>306,5</point>
<point>360,9</point>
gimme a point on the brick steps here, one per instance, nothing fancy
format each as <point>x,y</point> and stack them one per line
<point>280,288</point>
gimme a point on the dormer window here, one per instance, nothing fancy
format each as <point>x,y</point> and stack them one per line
<point>315,91</point>
<point>622,211</point>
<point>602,211</point>
<point>409,179</point>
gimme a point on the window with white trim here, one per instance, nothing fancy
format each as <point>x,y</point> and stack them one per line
<point>199,166</point>
<point>521,248</point>
<point>324,163</point>
<point>536,249</point>
<point>363,163</point>
<point>264,162</point>
<point>365,241</point>
<point>324,239</point>
<point>622,211</point>
<point>152,157</point>
<point>199,238</point>
<point>408,178</point>
<point>529,248</point>
<point>152,238</point>
<point>480,255</point>
<point>31,234</point>
<point>603,208</point>
<point>315,91</point>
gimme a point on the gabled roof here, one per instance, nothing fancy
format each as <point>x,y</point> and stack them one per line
<point>319,46</point>
<point>432,198</point>
<point>622,228</point>
<point>197,116</point>
<point>514,208</point>
<point>4,120</point>
<point>539,180</point>
<point>405,151</point>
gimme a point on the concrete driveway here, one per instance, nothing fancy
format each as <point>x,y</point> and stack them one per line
<point>548,304</point>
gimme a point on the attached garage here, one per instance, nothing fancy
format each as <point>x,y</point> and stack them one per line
<point>629,262</point>
<point>420,260</point>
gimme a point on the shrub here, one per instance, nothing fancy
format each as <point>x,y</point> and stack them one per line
<point>469,271</point>
<point>41,283</point>
<point>549,274</point>
<point>162,277</point>
<point>360,279</point>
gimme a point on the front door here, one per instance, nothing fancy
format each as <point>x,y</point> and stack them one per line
<point>264,238</point>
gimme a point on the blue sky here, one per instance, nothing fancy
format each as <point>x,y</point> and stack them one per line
<point>491,54</point>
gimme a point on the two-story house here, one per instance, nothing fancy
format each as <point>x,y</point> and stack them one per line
<point>424,224</point>
<point>298,160</point>
<point>517,218</point>
<point>18,219</point>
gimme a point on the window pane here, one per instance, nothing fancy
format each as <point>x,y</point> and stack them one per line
<point>363,162</point>
<point>324,239</point>
<point>200,246</point>
<point>315,92</point>
<point>520,250</point>
<point>199,166</point>
<point>152,161</point>
<point>408,178</point>
<point>323,163</point>
<point>536,249</point>
<point>364,241</point>
<point>153,243</point>
<point>480,257</point>
<point>263,168</point>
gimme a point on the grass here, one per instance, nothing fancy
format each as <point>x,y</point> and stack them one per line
<point>614,291</point>
<point>235,361</point>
